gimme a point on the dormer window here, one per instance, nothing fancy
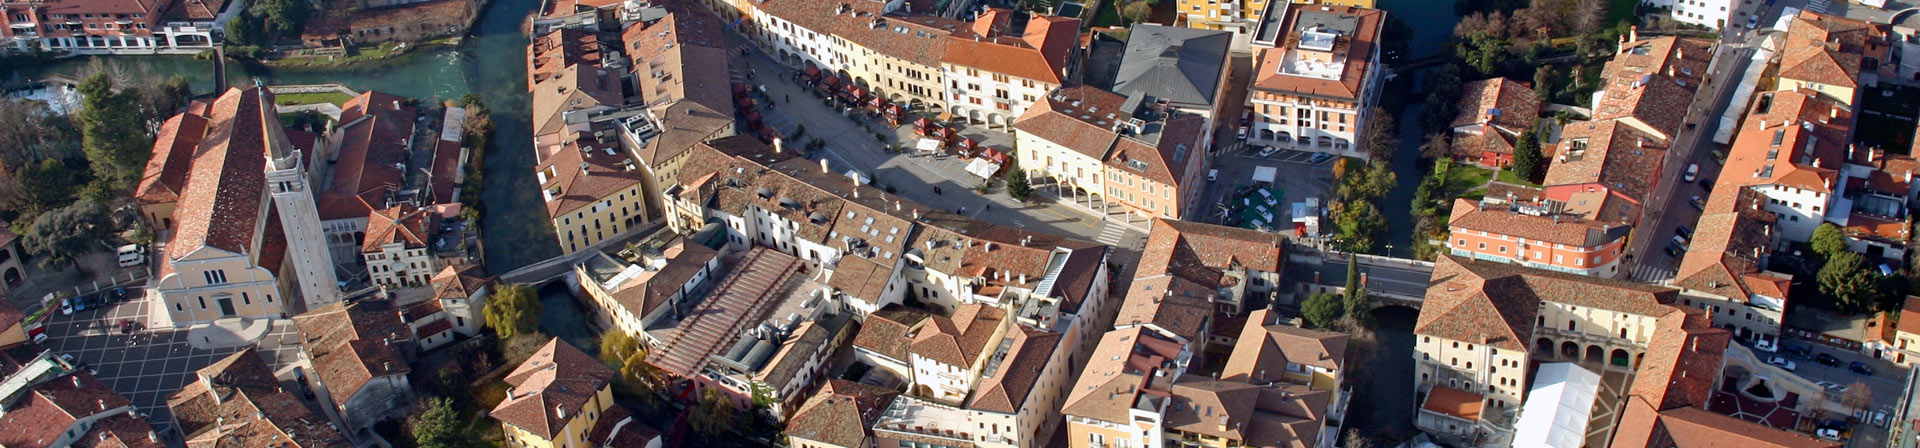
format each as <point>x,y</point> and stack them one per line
<point>1137,165</point>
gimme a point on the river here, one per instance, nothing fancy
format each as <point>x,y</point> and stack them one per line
<point>1432,23</point>
<point>490,63</point>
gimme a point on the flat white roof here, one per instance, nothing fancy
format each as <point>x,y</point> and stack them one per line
<point>1557,408</point>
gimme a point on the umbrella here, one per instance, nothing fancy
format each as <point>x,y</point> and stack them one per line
<point>753,115</point>
<point>966,145</point>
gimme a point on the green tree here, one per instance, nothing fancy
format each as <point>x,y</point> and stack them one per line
<point>1356,224</point>
<point>1321,310</point>
<point>244,29</point>
<point>61,235</point>
<point>641,379</point>
<point>1017,184</point>
<point>713,416</point>
<point>45,185</point>
<point>1483,53</point>
<point>1359,306</point>
<point>438,425</point>
<point>1543,83</point>
<point>1137,11</point>
<point>615,347</point>
<point>1527,159</point>
<point>1827,240</point>
<point>116,142</point>
<point>512,310</point>
<point>283,18</point>
<point>1846,280</point>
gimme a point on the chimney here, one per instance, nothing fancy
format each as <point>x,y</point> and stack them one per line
<point>102,403</point>
<point>1023,278</point>
<point>76,380</point>
<point>396,104</point>
<point>583,168</point>
<point>896,205</point>
<point>387,366</point>
<point>776,145</point>
<point>1833,113</point>
<point>916,214</point>
<point>823,165</point>
<point>560,411</point>
<point>1633,33</point>
<point>1909,176</point>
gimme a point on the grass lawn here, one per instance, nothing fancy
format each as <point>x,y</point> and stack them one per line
<point>1467,181</point>
<point>1508,177</point>
<point>336,98</point>
<point>355,54</point>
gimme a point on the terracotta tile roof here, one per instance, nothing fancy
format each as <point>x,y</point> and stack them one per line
<point>1124,365</point>
<point>550,389</point>
<point>1499,219</point>
<point>1641,426</point>
<point>173,153</point>
<point>123,430</point>
<point>1007,390</point>
<point>220,206</point>
<point>1469,146</point>
<point>961,339</point>
<point>923,40</point>
<point>193,10</point>
<point>1618,157</point>
<point>680,56</point>
<point>404,225</point>
<point>891,330</point>
<point>1831,49</point>
<point>50,408</point>
<point>1455,402</point>
<point>9,315</point>
<point>1178,136</point>
<point>1203,253</point>
<point>237,403</point>
<point>1682,360</point>
<point>1358,49</point>
<point>374,130</point>
<point>584,172</point>
<point>842,414</point>
<point>617,427</point>
<point>562,8</point>
<point>1285,415</point>
<point>1910,315</point>
<point>1892,174</point>
<point>460,282</point>
<point>684,261</point>
<point>1495,303</point>
<point>860,277</point>
<point>1265,347</point>
<point>353,343</point>
<point>1172,304</point>
<point>572,88</point>
<point>560,48</point>
<point>1731,243</point>
<point>1506,104</point>
<point>1040,54</point>
<point>1058,119</point>
<point>740,301</point>
<point>1812,131</point>
<point>1651,81</point>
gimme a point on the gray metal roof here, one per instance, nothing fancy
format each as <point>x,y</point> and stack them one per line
<point>1181,65</point>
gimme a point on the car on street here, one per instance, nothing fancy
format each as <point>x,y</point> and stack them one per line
<point>1826,360</point>
<point>66,306</point>
<point>1879,419</point>
<point>1680,241</point>
<point>1246,117</point>
<point>1782,362</point>
<point>1213,174</point>
<point>1706,183</point>
<point>1693,172</point>
<point>1268,152</point>
<point>1799,351</point>
<point>1766,346</point>
<point>1319,157</point>
<point>1754,20</point>
<point>1683,231</point>
<point>1860,368</point>
<point>1828,433</point>
<point>1242,135</point>
<point>1697,203</point>
<point>1674,250</point>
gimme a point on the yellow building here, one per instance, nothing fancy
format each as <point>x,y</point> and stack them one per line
<point>12,325</point>
<point>563,398</point>
<point>1121,393</point>
<point>1271,351</point>
<point>1834,55</point>
<point>1906,335</point>
<point>1241,16</point>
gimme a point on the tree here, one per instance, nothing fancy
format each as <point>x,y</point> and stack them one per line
<point>1527,159</point>
<point>244,29</point>
<point>714,415</point>
<point>1543,83</point>
<point>1359,306</point>
<point>1137,11</point>
<point>523,345</point>
<point>1435,147</point>
<point>1827,240</point>
<point>115,141</point>
<point>1017,185</point>
<point>513,310</point>
<point>1356,224</point>
<point>615,347</point>
<point>44,186</point>
<point>63,234</point>
<point>1858,397</point>
<point>1588,15</point>
<point>1845,280</point>
<point>283,17</point>
<point>1377,134</point>
<point>1362,345</point>
<point>641,379</point>
<point>438,425</point>
<point>1483,53</point>
<point>1321,310</point>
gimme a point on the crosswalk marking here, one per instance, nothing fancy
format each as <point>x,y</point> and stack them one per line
<point>1650,274</point>
<point>1111,234</point>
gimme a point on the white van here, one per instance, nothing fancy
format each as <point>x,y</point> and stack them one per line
<point>132,255</point>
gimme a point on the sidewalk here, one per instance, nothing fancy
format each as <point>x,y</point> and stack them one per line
<point>229,332</point>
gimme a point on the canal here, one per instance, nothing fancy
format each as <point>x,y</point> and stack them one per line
<point>1431,22</point>
<point>490,63</point>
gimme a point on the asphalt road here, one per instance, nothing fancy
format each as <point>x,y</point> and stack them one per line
<point>1887,383</point>
<point>1391,278</point>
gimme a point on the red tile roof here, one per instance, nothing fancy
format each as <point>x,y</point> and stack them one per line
<point>51,408</point>
<point>1731,242</point>
<point>740,301</point>
<point>889,332</point>
<point>1498,219</point>
<point>1495,304</point>
<point>1831,50</point>
<point>1040,54</point>
<point>173,153</point>
<point>374,131</point>
<point>1651,81</point>
<point>551,388</point>
<point>1358,48</point>
<point>1618,157</point>
<point>1506,104</point>
<point>961,339</point>
<point>584,172</point>
<point>404,225</point>
<point>1812,132</point>
<point>1079,118</point>
<point>1265,347</point>
<point>225,192</point>
<point>353,343</point>
<point>9,315</point>
<point>1642,426</point>
<point>1006,391</point>
<point>841,414</point>
<point>1682,360</point>
<point>1125,364</point>
<point>1454,402</point>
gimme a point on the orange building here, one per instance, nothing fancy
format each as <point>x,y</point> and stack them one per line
<point>1536,234</point>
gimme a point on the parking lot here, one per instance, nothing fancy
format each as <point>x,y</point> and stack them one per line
<point>1296,174</point>
<point>148,364</point>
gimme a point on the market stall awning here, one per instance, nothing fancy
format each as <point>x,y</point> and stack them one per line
<point>983,168</point>
<point>992,154</point>
<point>927,145</point>
<point>921,123</point>
<point>813,72</point>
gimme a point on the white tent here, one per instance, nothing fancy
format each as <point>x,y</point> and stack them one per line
<point>1264,174</point>
<point>1558,407</point>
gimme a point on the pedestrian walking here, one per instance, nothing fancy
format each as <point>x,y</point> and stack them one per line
<point>789,98</point>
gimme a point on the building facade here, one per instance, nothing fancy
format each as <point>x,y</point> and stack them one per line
<point>1313,92</point>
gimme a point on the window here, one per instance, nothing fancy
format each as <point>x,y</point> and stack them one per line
<point>203,302</point>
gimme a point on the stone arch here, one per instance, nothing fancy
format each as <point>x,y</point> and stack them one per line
<point>1594,353</point>
<point>995,119</point>
<point>860,81</point>
<point>1618,358</point>
<point>1569,350</point>
<point>973,116</point>
<point>13,276</point>
<point>1266,134</point>
<point>1544,346</point>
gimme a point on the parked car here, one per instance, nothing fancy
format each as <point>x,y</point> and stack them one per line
<point>1680,241</point>
<point>1697,203</point>
<point>1706,183</point>
<point>1683,231</point>
<point>1766,346</point>
<point>66,306</point>
<point>1674,250</point>
<point>1693,172</point>
<point>1268,152</point>
<point>1799,351</point>
<point>132,255</point>
<point>1879,419</point>
<point>1246,117</point>
<point>1319,157</point>
<point>1826,360</point>
<point>1242,135</point>
<point>1782,362</point>
<point>1213,174</point>
<point>1860,368</point>
<point>1828,433</point>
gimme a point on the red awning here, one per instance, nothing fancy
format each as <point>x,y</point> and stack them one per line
<point>991,154</point>
<point>832,80</point>
<point>921,123</point>
<point>753,115</point>
<point>811,71</point>
<point>857,92</point>
<point>968,144</point>
<point>878,102</point>
<point>739,88</point>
